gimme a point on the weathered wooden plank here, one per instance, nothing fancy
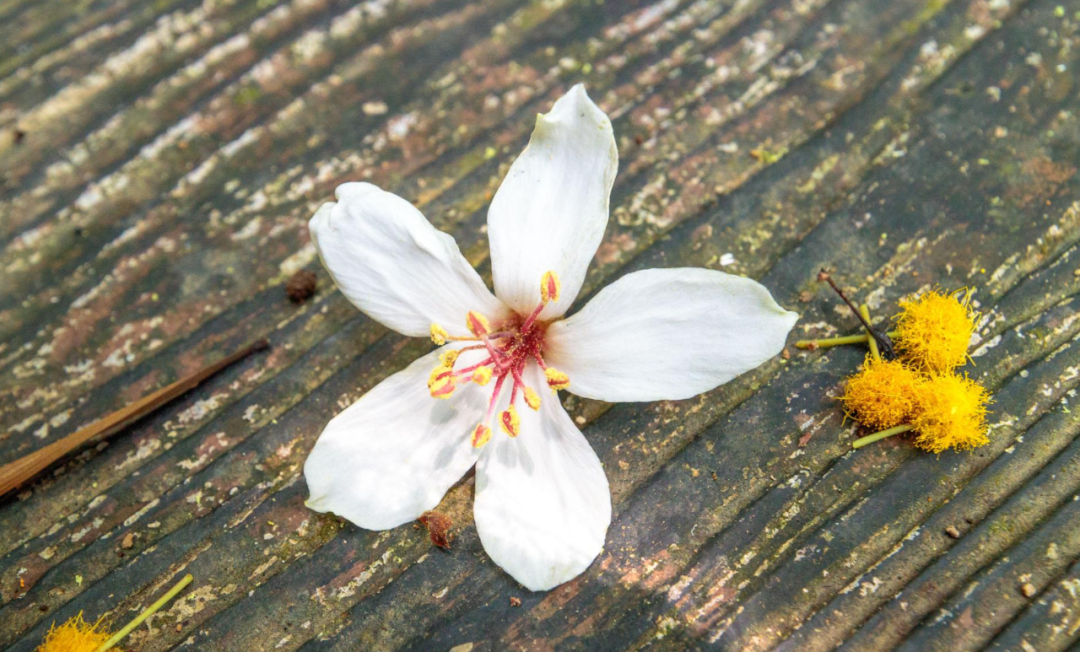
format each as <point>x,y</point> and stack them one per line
<point>66,45</point>
<point>1047,624</point>
<point>901,143</point>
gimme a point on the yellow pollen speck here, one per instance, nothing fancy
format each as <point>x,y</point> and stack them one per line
<point>448,358</point>
<point>75,635</point>
<point>510,422</point>
<point>441,382</point>
<point>934,330</point>
<point>480,436</point>
<point>882,394</point>
<point>482,376</point>
<point>532,399</point>
<point>477,323</point>
<point>549,287</point>
<point>438,334</point>
<point>556,379</point>
<point>951,413</point>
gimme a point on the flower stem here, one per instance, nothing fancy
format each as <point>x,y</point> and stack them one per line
<point>826,342</point>
<point>149,611</point>
<point>864,310</point>
<point>878,436</point>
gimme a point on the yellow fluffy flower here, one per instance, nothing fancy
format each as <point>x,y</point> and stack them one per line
<point>951,414</point>
<point>75,635</point>
<point>933,331</point>
<point>883,394</point>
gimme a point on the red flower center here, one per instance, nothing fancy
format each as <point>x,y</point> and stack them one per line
<point>510,345</point>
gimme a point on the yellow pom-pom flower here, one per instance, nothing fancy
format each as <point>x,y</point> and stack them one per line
<point>75,635</point>
<point>951,413</point>
<point>933,331</point>
<point>883,394</point>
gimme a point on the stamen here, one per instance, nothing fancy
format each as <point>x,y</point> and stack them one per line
<point>549,287</point>
<point>496,354</point>
<point>518,382</point>
<point>532,399</point>
<point>510,422</point>
<point>494,397</point>
<point>467,371</point>
<point>482,376</point>
<point>441,382</point>
<point>477,323</point>
<point>480,436</point>
<point>482,433</point>
<point>532,318</point>
<point>439,334</point>
<point>448,358</point>
<point>556,379</point>
<point>443,391</point>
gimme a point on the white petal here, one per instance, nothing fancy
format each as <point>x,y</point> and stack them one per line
<point>391,263</point>
<point>393,454</point>
<point>550,212</point>
<point>667,334</point>
<point>542,500</point>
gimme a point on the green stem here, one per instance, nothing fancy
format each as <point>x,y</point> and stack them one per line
<point>878,436</point>
<point>830,341</point>
<point>149,611</point>
<point>826,342</point>
<point>864,310</point>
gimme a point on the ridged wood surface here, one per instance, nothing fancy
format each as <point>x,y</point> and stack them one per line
<point>156,203</point>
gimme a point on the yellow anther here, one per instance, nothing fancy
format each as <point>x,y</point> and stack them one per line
<point>482,376</point>
<point>448,358</point>
<point>438,371</point>
<point>480,436</point>
<point>441,382</point>
<point>438,334</point>
<point>477,323</point>
<point>443,391</point>
<point>549,287</point>
<point>532,399</point>
<point>556,379</point>
<point>510,422</point>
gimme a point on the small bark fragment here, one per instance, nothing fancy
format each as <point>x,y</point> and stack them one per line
<point>301,286</point>
<point>438,525</point>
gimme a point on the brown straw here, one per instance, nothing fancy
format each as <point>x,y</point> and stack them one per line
<point>14,474</point>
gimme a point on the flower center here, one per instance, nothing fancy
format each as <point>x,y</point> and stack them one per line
<point>509,345</point>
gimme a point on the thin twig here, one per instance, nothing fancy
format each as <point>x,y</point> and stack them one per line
<point>15,474</point>
<point>864,312</point>
<point>883,341</point>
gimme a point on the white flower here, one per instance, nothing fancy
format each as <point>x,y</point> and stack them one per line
<point>542,501</point>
